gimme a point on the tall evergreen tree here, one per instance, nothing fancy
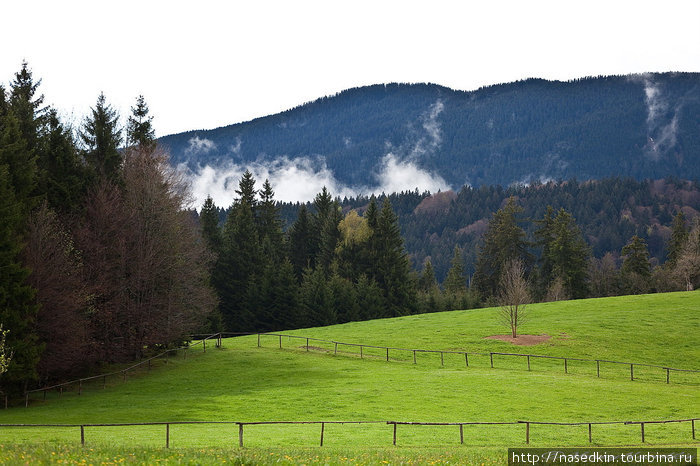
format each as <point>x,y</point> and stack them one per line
<point>301,243</point>
<point>270,224</point>
<point>503,241</point>
<point>101,137</point>
<point>27,106</point>
<point>427,281</point>
<point>392,268</point>
<point>209,221</point>
<point>636,268</point>
<point>567,254</point>
<point>139,128</point>
<point>455,282</point>
<point>18,309</point>
<point>679,236</point>
<point>246,191</point>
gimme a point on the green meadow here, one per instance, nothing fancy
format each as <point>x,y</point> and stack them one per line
<point>242,382</point>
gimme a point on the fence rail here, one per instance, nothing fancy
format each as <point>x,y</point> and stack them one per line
<point>123,372</point>
<point>466,354</point>
<point>323,424</point>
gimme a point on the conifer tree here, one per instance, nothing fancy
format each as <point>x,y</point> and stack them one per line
<point>427,281</point>
<point>455,283</point>
<point>209,221</point>
<point>679,236</point>
<point>316,299</point>
<point>18,309</point>
<point>301,243</point>
<point>503,241</point>
<point>636,268</point>
<point>567,254</point>
<point>139,128</point>
<point>27,106</point>
<point>101,137</point>
<point>270,224</point>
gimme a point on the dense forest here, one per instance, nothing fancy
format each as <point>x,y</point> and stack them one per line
<point>101,261</point>
<point>640,126</point>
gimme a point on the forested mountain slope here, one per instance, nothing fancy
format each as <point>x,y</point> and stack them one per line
<point>641,126</point>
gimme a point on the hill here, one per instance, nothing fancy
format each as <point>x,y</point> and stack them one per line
<point>642,126</point>
<point>243,382</point>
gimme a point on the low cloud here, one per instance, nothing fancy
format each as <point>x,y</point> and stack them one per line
<point>662,119</point>
<point>199,146</point>
<point>300,179</point>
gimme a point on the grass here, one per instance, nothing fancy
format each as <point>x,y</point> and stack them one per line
<point>241,382</point>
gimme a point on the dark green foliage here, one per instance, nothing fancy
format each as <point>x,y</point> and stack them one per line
<point>18,308</point>
<point>456,281</point>
<point>26,106</point>
<point>504,241</point>
<point>101,138</point>
<point>246,190</point>
<point>519,132</point>
<point>139,128</point>
<point>316,300</point>
<point>209,221</point>
<point>270,225</point>
<point>565,254</point>
<point>426,281</point>
<point>301,243</point>
<point>62,177</point>
<point>18,159</point>
<point>636,268</point>
<point>679,237</point>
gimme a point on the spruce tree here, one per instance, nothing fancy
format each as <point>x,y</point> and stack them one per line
<point>301,243</point>
<point>456,281</point>
<point>427,281</point>
<point>27,106</point>
<point>270,224</point>
<point>679,237</point>
<point>503,241</point>
<point>139,128</point>
<point>101,137</point>
<point>18,309</point>
<point>568,254</point>
<point>209,221</point>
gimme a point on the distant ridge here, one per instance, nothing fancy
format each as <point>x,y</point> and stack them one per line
<point>642,126</point>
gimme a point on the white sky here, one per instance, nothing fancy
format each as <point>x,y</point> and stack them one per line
<point>203,64</point>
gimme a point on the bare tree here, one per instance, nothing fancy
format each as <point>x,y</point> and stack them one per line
<point>514,295</point>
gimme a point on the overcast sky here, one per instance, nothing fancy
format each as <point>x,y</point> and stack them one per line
<point>203,64</point>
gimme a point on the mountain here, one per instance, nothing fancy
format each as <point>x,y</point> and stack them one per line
<point>641,126</point>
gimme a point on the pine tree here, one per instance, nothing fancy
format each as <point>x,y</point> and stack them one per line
<point>568,253</point>
<point>270,224</point>
<point>455,283</point>
<point>101,138</point>
<point>15,154</point>
<point>636,268</point>
<point>316,299</point>
<point>26,106</point>
<point>18,309</point>
<point>139,128</point>
<point>427,281</point>
<point>61,174</point>
<point>679,236</point>
<point>300,243</point>
<point>503,241</point>
<point>392,266</point>
<point>246,191</point>
<point>209,221</point>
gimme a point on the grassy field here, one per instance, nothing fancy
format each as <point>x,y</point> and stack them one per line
<point>242,382</point>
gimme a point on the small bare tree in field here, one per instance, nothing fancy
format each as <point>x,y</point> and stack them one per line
<point>514,295</point>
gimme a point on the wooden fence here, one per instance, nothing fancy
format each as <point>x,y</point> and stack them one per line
<point>123,372</point>
<point>394,425</point>
<point>527,357</point>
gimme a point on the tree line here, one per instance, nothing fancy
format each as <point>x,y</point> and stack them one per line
<point>99,260</point>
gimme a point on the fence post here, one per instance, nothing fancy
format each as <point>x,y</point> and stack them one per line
<point>597,365</point>
<point>394,434</point>
<point>280,341</point>
<point>335,351</point>
<point>240,435</point>
<point>6,401</point>
<point>167,435</point>
<point>361,356</point>
<point>323,424</point>
<point>149,364</point>
<point>104,382</point>
<point>590,437</point>
<point>527,433</point>
<point>528,362</point>
<point>667,374</point>
<point>642,424</point>
<point>692,423</point>
<point>387,354</point>
<point>491,354</point>
<point>632,372</point>
<point>44,394</point>
<point>442,358</point>
<point>461,433</point>
<point>82,436</point>
<point>566,366</point>
<point>307,344</point>
<point>414,356</point>
<point>204,345</point>
<point>466,359</point>
<point>307,341</point>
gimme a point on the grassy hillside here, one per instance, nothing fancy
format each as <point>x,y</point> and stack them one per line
<point>241,382</point>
